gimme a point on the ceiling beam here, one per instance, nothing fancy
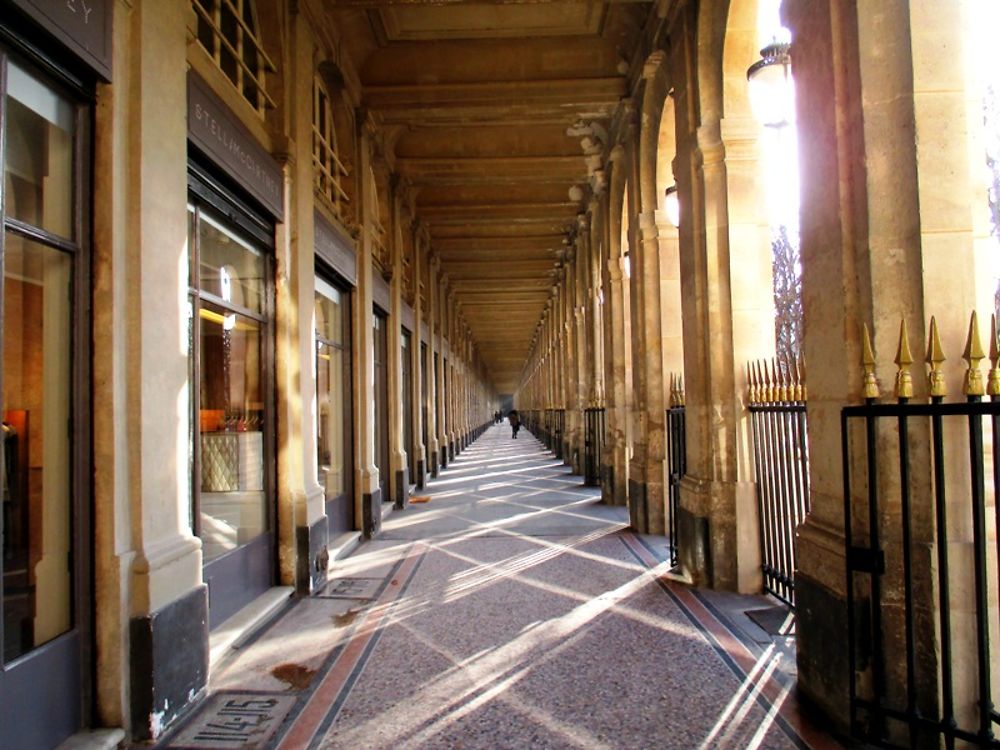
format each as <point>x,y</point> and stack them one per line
<point>561,94</point>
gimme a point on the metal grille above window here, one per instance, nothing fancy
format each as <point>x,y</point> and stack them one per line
<point>328,170</point>
<point>229,31</point>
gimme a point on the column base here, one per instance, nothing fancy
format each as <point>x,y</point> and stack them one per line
<point>638,508</point>
<point>371,513</point>
<point>435,465</point>
<point>444,456</point>
<point>168,656</point>
<point>402,488</point>
<point>421,478</point>
<point>823,672</point>
<point>694,549</point>
<point>312,556</point>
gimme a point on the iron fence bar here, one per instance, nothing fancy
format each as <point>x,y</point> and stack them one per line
<point>878,668</point>
<point>995,423</point>
<point>904,489</point>
<point>979,550</point>
<point>948,724</point>
<point>786,500</point>
<point>852,666</point>
<point>765,520</point>
<point>774,492</point>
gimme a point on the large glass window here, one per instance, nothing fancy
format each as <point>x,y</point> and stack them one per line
<point>230,507</point>
<point>40,224</point>
<point>333,394</point>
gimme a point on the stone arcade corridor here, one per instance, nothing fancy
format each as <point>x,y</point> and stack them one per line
<point>512,610</point>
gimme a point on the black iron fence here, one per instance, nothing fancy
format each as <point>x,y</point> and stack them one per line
<point>921,483</point>
<point>676,460</point>
<point>777,405</point>
<point>593,446</point>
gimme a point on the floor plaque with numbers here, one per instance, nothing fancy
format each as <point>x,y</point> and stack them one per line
<point>237,720</point>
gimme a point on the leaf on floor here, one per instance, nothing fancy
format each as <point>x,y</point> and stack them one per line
<point>420,499</point>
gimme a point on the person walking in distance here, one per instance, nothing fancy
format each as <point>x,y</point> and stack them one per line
<point>515,422</point>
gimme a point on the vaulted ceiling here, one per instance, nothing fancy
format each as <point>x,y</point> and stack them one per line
<point>493,103</point>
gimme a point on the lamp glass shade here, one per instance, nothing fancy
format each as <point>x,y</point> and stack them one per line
<point>672,206</point>
<point>772,90</point>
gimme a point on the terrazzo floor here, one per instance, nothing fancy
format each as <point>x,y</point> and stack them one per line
<point>512,610</point>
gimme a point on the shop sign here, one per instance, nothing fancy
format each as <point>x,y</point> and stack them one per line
<point>82,25</point>
<point>337,251</point>
<point>223,138</point>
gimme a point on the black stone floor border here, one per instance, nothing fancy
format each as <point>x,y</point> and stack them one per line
<point>760,699</point>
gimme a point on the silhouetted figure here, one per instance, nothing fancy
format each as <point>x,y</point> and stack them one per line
<point>515,422</point>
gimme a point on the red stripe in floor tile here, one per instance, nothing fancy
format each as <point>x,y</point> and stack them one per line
<point>309,720</point>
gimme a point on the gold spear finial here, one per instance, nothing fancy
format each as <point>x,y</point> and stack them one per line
<point>904,381</point>
<point>973,355</point>
<point>993,382</point>
<point>782,375</point>
<point>935,356</point>
<point>800,367</point>
<point>751,390</point>
<point>870,387</point>
<point>680,389</point>
<point>767,394</point>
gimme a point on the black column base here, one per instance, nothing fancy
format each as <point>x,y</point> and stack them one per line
<point>824,672</point>
<point>312,556</point>
<point>421,475</point>
<point>402,488</point>
<point>371,513</point>
<point>638,510</point>
<point>168,657</point>
<point>694,546</point>
<point>435,465</point>
<point>444,456</point>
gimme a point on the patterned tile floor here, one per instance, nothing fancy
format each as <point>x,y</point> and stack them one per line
<point>511,611</point>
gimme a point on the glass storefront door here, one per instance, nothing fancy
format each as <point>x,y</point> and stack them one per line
<point>232,446</point>
<point>333,405</point>
<point>43,466</point>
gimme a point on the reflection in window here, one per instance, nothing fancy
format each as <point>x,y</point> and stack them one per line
<point>230,268</point>
<point>38,169</point>
<point>227,314</point>
<point>37,584</point>
<point>330,389</point>
<point>233,508</point>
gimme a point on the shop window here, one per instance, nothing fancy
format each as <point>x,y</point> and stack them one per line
<point>230,33</point>
<point>328,170</point>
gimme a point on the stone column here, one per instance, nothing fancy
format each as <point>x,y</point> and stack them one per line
<point>615,393</point>
<point>420,248</point>
<point>149,593</point>
<point>440,372</point>
<point>368,495</point>
<point>400,484</point>
<point>302,524</point>
<point>433,348</point>
<point>889,235</point>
